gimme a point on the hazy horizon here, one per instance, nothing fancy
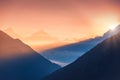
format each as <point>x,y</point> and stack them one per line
<point>46,22</point>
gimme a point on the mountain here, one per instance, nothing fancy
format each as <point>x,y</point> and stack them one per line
<point>110,33</point>
<point>65,55</point>
<point>41,37</point>
<point>20,62</point>
<point>12,33</point>
<point>69,53</point>
<point>100,63</point>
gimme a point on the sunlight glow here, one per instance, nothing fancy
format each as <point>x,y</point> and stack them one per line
<point>113,26</point>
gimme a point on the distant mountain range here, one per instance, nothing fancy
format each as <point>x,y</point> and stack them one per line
<point>65,55</point>
<point>39,40</point>
<point>20,62</point>
<point>100,63</point>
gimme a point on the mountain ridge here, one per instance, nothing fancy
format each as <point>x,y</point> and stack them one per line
<point>18,61</point>
<point>69,53</point>
<point>100,63</point>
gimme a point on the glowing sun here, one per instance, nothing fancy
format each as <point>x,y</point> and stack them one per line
<point>112,27</point>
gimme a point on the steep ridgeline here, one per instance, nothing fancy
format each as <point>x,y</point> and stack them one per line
<point>100,63</point>
<point>20,62</point>
<point>69,53</point>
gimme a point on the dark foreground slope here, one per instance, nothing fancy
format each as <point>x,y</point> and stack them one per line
<point>20,62</point>
<point>100,63</point>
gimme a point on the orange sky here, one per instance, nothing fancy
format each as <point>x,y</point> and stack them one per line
<point>59,20</point>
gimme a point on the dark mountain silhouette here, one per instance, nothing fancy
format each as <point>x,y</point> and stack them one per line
<point>100,63</point>
<point>20,62</point>
<point>67,54</point>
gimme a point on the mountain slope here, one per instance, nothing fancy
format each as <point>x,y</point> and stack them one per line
<point>100,63</point>
<point>12,33</point>
<point>67,54</point>
<point>20,62</point>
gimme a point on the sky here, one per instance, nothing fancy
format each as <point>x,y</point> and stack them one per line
<point>58,20</point>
